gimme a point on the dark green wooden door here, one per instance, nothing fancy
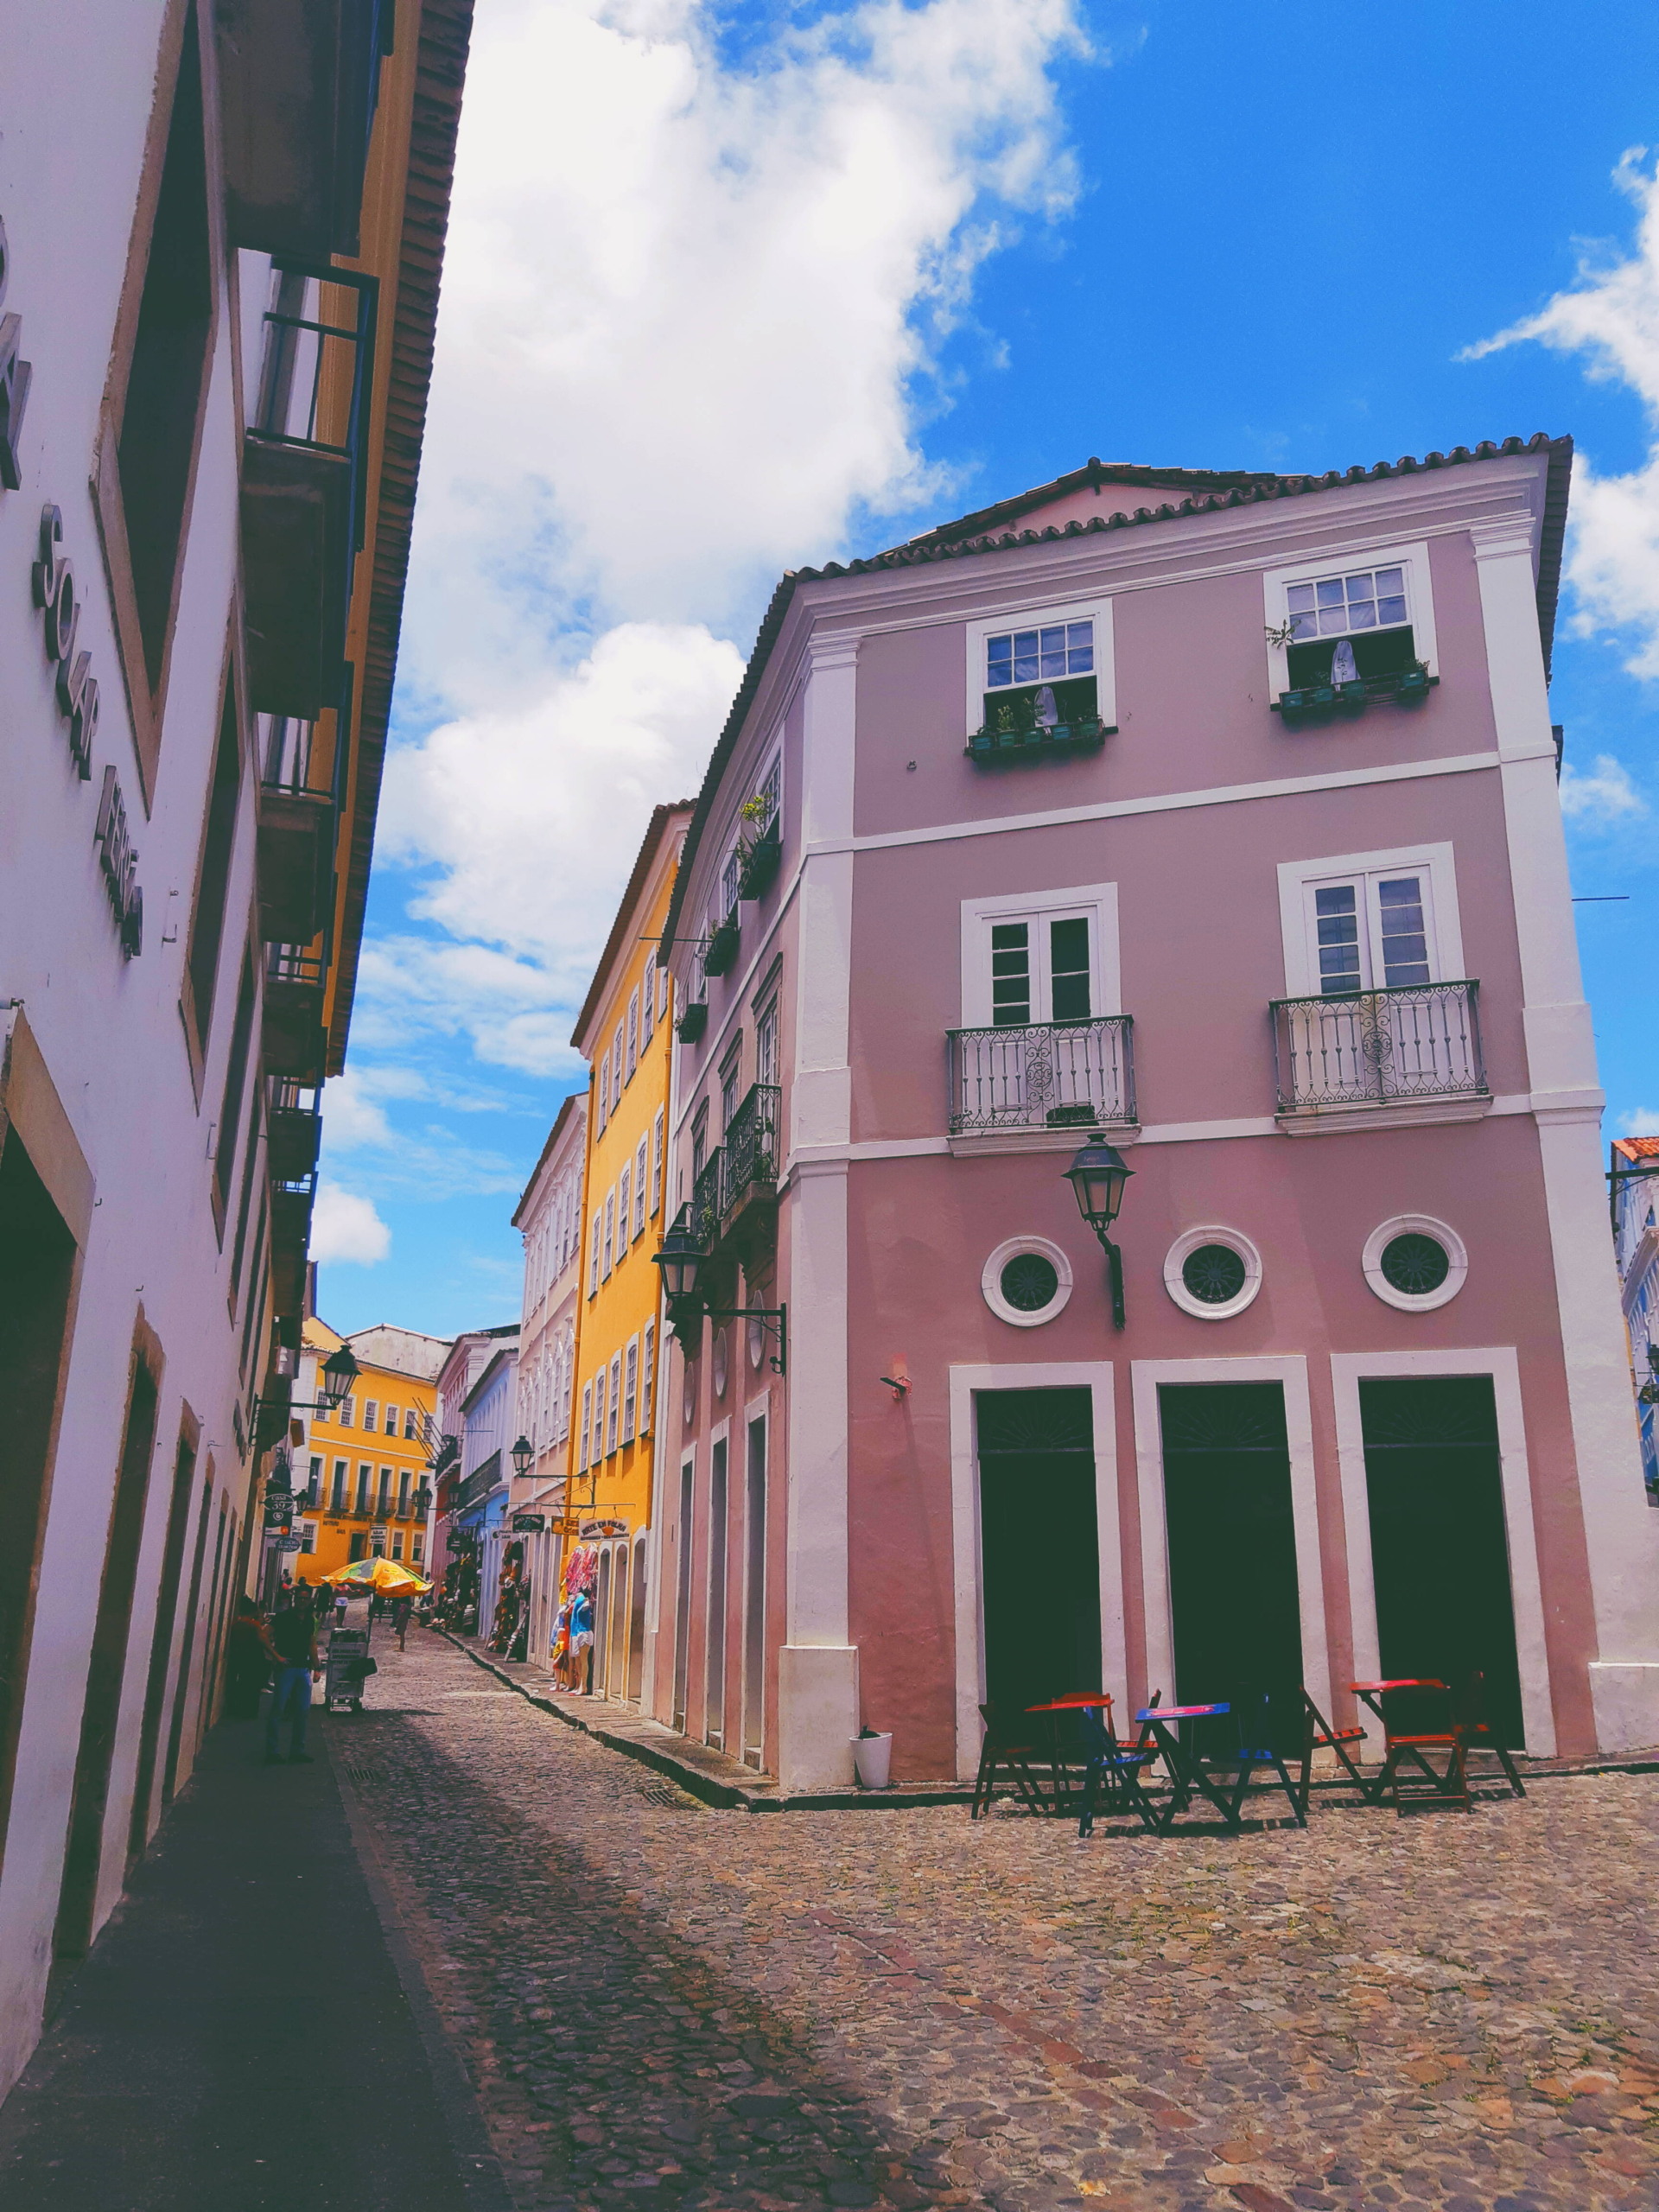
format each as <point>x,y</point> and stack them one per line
<point>1439,1546</point>
<point>1232,1542</point>
<point>1040,1547</point>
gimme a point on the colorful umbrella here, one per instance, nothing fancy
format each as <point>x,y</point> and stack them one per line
<point>376,1575</point>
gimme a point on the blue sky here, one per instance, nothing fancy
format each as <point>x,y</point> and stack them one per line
<point>826,276</point>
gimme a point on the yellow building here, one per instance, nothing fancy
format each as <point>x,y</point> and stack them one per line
<point>362,1480</point>
<point>625,1032</point>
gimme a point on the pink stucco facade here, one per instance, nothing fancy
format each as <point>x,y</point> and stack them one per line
<point>840,1571</point>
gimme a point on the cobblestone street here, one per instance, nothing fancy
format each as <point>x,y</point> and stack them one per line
<point>661,2004</point>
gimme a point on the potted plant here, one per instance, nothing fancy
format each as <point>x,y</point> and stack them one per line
<point>763,852</point>
<point>872,1758</point>
<point>721,948</point>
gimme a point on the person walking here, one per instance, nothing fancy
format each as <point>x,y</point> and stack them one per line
<point>402,1607</point>
<point>291,1641</point>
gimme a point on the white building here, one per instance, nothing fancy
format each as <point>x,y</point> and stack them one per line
<point>548,1217</point>
<point>205,504</point>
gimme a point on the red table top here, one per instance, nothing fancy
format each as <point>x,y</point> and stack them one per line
<point>1180,1712</point>
<point>1074,1701</point>
<point>1408,1682</point>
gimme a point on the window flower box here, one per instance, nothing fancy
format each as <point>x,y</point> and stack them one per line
<point>721,949</point>
<point>1320,702</point>
<point>761,861</point>
<point>693,1021</point>
<point>1037,741</point>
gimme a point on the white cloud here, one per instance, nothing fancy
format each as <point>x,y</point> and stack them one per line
<point>692,310</point>
<point>1643,1122</point>
<point>346,1227</point>
<point>1606,795</point>
<point>1611,315</point>
<point>685,302</point>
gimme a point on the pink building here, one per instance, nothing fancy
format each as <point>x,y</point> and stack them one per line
<point>1217,813</point>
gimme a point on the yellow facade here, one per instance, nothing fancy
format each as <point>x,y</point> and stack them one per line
<point>625,1032</point>
<point>366,1476</point>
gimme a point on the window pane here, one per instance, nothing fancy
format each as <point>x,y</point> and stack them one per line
<point>1080,648</point>
<point>1299,597</point>
<point>1304,626</point>
<point>1068,970</point>
<point>1405,941</point>
<point>1362,614</point>
<point>1330,592</point>
<point>1389,580</point>
<point>1333,620</point>
<point>1336,917</point>
<point>999,661</point>
<point>1390,611</point>
<point>1010,973</point>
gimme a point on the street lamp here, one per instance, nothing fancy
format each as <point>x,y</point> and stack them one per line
<point>681,1259</point>
<point>523,1451</point>
<point>339,1372</point>
<point>1098,1176</point>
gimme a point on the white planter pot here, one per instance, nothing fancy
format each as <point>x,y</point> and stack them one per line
<point>873,1759</point>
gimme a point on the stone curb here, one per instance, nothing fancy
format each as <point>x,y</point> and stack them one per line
<point>704,1774</point>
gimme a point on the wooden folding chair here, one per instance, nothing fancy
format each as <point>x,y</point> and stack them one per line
<point>1470,1708</point>
<point>1260,1734</point>
<point>1009,1748</point>
<point>1113,1768</point>
<point>1417,1718</point>
<point>1319,1736</point>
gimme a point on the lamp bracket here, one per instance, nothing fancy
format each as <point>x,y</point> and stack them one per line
<point>774,1319</point>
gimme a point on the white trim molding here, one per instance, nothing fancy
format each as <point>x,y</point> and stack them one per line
<point>1193,1240</point>
<point>1525,1587</point>
<point>1290,1371</point>
<point>1014,1248</point>
<point>1415,1225</point>
<point>1096,1377</point>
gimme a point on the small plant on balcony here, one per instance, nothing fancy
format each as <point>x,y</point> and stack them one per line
<point>693,1021</point>
<point>1027,722</point>
<point>763,849</point>
<point>721,949</point>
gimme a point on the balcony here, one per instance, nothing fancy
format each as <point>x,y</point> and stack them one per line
<point>693,1021</point>
<point>721,950</point>
<point>290,1239</point>
<point>293,1132</point>
<point>761,861</point>
<point>749,1156</point>
<point>1041,1083</point>
<point>303,494</point>
<point>293,1039</point>
<point>294,863</point>
<point>299,82</point>
<point>1376,1057</point>
<point>1037,741</point>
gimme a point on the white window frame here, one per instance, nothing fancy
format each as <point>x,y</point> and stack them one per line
<point>630,1389</point>
<point>593,1261</point>
<point>1097,611</point>
<point>602,1091</point>
<point>658,1140</point>
<point>1419,598</point>
<point>624,1210</point>
<point>648,1002</point>
<point>1299,878</point>
<point>633,1033</point>
<point>1098,901</point>
<point>607,1257</point>
<point>647,1376</point>
<point>613,1419</point>
<point>596,1451</point>
<point>641,1169</point>
<point>372,1416</point>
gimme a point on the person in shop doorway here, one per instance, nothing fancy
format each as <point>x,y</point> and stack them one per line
<point>581,1642</point>
<point>402,1607</point>
<point>291,1642</point>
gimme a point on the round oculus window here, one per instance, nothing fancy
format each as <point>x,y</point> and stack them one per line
<point>1215,1273</point>
<point>1414,1264</point>
<point>1027,1281</point>
<point>719,1363</point>
<point>1030,1283</point>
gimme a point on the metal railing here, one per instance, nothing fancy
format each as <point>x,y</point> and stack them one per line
<point>1045,1075</point>
<point>309,381</point>
<point>1375,1047</point>
<point>705,1200</point>
<point>751,1147</point>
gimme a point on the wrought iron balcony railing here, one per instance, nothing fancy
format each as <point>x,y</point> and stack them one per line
<point>705,1200</point>
<point>751,1149</point>
<point>1378,1047</point>
<point>1046,1075</point>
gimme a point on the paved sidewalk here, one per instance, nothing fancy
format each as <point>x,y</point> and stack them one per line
<point>240,2039</point>
<point>663,2005</point>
